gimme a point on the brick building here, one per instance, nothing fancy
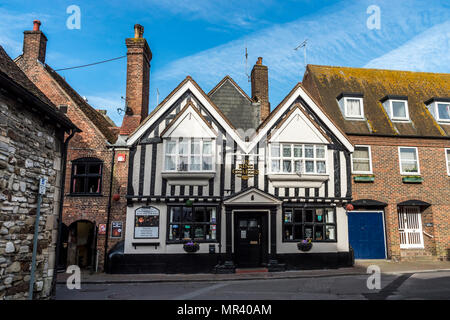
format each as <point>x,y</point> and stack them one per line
<point>96,168</point>
<point>399,123</point>
<point>32,146</point>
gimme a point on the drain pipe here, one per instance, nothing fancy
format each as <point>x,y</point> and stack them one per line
<point>61,203</point>
<point>108,217</point>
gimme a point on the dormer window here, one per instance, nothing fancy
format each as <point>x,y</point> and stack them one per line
<point>439,108</point>
<point>396,107</point>
<point>351,105</point>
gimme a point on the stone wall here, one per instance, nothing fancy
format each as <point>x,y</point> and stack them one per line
<point>30,148</point>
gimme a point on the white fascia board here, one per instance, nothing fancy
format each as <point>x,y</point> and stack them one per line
<point>307,121</point>
<point>187,86</point>
<point>190,111</point>
<point>300,92</point>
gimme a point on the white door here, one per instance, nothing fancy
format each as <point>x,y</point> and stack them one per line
<point>410,228</point>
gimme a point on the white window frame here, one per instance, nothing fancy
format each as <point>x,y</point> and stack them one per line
<point>434,105</point>
<point>400,162</point>
<point>361,103</point>
<point>293,159</point>
<point>447,158</point>
<point>370,161</point>
<point>188,155</point>
<point>391,110</point>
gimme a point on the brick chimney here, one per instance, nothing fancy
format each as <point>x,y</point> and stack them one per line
<point>34,44</point>
<point>260,87</point>
<point>139,56</point>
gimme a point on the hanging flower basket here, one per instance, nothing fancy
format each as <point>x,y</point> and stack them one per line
<point>191,247</point>
<point>305,245</point>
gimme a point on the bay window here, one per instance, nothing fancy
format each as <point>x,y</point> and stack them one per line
<point>317,224</point>
<point>409,160</point>
<point>287,158</point>
<point>188,154</point>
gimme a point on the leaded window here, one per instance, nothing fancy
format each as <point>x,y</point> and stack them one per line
<point>317,224</point>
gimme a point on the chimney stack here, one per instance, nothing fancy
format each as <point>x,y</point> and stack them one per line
<point>139,56</point>
<point>260,88</point>
<point>34,44</point>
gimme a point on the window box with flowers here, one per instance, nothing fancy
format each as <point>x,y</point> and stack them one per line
<point>191,247</point>
<point>305,245</point>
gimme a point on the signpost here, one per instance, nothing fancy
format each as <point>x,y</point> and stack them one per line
<point>42,189</point>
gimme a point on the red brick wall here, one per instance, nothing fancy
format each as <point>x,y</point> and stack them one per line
<point>388,187</point>
<point>89,143</point>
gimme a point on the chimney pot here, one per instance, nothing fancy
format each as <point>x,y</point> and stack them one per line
<point>36,25</point>
<point>259,62</point>
<point>138,31</point>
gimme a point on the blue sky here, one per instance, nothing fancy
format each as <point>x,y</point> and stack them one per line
<point>206,39</point>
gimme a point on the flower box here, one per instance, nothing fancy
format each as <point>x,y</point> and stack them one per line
<point>364,178</point>
<point>305,245</point>
<point>412,179</point>
<point>191,247</point>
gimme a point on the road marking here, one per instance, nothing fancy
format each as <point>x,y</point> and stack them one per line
<point>198,292</point>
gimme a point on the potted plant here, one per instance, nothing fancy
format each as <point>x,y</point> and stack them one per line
<point>191,247</point>
<point>305,245</point>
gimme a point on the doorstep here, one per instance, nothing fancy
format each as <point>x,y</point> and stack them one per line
<point>251,270</point>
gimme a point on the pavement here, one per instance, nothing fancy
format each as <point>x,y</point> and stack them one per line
<point>360,268</point>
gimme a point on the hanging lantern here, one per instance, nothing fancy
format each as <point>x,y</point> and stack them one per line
<point>116,197</point>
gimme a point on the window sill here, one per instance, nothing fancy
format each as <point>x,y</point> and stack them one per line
<point>188,178</point>
<point>313,241</point>
<point>184,241</point>
<point>298,181</point>
<point>85,195</point>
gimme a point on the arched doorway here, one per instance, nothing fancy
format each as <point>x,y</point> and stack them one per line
<point>81,244</point>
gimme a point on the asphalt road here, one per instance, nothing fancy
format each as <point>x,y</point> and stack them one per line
<point>430,285</point>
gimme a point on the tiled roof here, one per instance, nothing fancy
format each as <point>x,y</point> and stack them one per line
<point>13,74</point>
<point>97,119</point>
<point>235,104</point>
<point>326,83</point>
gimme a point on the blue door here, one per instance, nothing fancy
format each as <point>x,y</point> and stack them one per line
<point>366,234</point>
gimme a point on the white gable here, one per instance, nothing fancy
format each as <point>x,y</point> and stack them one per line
<point>189,124</point>
<point>188,85</point>
<point>300,92</point>
<point>298,128</point>
<point>253,196</point>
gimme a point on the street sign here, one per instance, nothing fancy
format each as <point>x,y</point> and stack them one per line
<point>42,185</point>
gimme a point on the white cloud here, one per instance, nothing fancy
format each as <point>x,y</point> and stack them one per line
<point>108,101</point>
<point>428,52</point>
<point>337,35</point>
<point>233,13</point>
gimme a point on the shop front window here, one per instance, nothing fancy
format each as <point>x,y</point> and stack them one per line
<point>318,224</point>
<point>198,223</point>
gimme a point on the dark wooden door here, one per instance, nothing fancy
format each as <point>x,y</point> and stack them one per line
<point>249,239</point>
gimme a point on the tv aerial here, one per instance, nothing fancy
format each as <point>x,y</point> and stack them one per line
<point>127,110</point>
<point>303,45</point>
